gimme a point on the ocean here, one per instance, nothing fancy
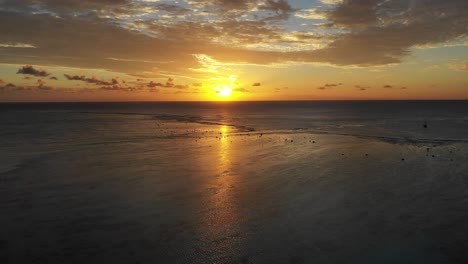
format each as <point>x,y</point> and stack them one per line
<point>234,182</point>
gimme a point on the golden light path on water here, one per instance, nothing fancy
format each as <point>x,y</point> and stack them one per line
<point>222,230</point>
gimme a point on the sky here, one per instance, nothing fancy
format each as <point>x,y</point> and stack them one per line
<point>200,50</point>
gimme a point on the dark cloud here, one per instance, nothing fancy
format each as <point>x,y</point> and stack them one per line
<point>7,87</point>
<point>241,90</point>
<point>257,84</point>
<point>362,88</point>
<point>353,13</point>
<point>169,84</point>
<point>181,86</point>
<point>92,79</point>
<point>41,85</point>
<point>66,5</point>
<point>281,88</point>
<point>75,77</point>
<point>29,69</point>
<point>381,32</point>
<point>280,7</point>
<point>329,85</point>
<point>388,86</point>
<point>121,88</point>
<point>53,78</point>
<point>153,84</point>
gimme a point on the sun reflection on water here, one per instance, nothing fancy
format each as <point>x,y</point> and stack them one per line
<point>222,220</point>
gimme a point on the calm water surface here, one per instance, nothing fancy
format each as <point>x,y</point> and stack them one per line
<point>251,182</point>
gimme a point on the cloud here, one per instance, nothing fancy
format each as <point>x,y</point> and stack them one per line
<point>181,86</point>
<point>461,66</point>
<point>16,45</point>
<point>7,87</point>
<point>75,77</point>
<point>382,32</point>
<point>41,85</point>
<point>280,7</point>
<point>2,81</point>
<point>169,84</point>
<point>86,33</point>
<point>92,79</point>
<point>329,85</point>
<point>153,84</point>
<point>241,90</point>
<point>257,84</point>
<point>59,5</point>
<point>53,78</point>
<point>311,13</point>
<point>331,2</point>
<point>388,86</point>
<point>29,69</point>
<point>362,88</point>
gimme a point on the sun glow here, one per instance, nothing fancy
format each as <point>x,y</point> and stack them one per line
<point>223,90</point>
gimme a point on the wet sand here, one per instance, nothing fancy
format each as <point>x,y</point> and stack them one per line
<point>230,196</point>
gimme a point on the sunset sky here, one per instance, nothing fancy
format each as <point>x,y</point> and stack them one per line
<point>156,50</point>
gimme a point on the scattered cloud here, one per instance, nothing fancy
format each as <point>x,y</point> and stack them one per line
<point>461,66</point>
<point>159,38</point>
<point>388,86</point>
<point>8,87</point>
<point>329,85</point>
<point>362,88</point>
<point>169,84</point>
<point>241,90</point>
<point>41,85</point>
<point>311,13</point>
<point>257,84</point>
<point>29,69</point>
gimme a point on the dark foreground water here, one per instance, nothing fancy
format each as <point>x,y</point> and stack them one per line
<point>256,182</point>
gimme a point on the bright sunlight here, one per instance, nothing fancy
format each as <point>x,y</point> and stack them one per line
<point>223,91</point>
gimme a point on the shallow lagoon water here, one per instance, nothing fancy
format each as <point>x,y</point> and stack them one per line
<point>145,183</point>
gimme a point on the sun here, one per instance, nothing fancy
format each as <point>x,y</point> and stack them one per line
<point>223,91</point>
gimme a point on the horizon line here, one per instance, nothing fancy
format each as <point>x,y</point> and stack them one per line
<point>233,101</point>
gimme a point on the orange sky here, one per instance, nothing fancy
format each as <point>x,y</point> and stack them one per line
<point>123,50</point>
